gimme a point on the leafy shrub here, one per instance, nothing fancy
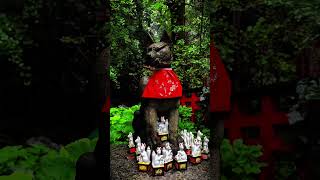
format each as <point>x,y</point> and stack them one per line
<point>184,119</point>
<point>13,158</point>
<point>185,113</point>
<point>185,123</point>
<point>121,123</point>
<point>240,161</point>
<point>42,163</point>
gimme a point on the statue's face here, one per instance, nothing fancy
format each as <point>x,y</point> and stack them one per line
<point>159,55</point>
<point>158,150</point>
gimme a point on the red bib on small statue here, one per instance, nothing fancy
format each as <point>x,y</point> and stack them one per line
<point>163,84</point>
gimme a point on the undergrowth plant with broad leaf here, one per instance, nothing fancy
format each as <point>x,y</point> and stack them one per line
<point>22,159</point>
<point>42,163</point>
<point>240,161</point>
<point>121,123</point>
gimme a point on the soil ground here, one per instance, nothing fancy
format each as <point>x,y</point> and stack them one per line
<point>123,168</point>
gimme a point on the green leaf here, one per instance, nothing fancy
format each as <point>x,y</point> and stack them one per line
<point>77,148</point>
<point>17,176</point>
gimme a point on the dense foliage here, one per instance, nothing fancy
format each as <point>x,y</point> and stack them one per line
<point>136,19</point>
<point>40,162</point>
<point>240,161</point>
<point>261,39</point>
<point>121,123</point>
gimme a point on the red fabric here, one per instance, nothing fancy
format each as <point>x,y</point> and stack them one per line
<point>220,84</point>
<point>164,83</point>
<point>106,106</point>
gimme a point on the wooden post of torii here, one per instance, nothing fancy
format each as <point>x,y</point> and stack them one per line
<point>220,105</point>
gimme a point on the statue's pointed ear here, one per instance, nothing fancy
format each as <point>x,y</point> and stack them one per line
<point>165,37</point>
<point>148,39</point>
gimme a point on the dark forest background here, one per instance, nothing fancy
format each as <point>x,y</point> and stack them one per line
<point>48,50</point>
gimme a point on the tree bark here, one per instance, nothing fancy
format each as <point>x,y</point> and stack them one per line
<point>216,136</point>
<point>102,93</point>
<point>216,126</point>
<point>177,10</point>
<point>96,165</point>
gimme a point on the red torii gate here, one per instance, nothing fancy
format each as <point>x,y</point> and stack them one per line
<point>266,122</point>
<point>220,84</point>
<point>220,101</point>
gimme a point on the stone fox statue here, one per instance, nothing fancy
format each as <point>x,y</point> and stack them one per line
<point>161,94</point>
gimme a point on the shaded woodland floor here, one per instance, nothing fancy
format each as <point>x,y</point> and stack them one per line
<point>122,168</point>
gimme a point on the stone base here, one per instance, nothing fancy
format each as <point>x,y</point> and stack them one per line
<point>181,165</point>
<point>132,150</point>
<point>144,167</point>
<point>168,166</point>
<point>163,137</point>
<point>204,156</point>
<point>195,160</point>
<point>188,152</point>
<point>158,171</point>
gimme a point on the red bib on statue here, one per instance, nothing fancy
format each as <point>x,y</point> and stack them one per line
<point>164,83</point>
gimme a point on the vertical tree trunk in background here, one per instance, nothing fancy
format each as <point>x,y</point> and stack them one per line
<point>216,136</point>
<point>101,83</point>
<point>177,11</point>
<point>220,96</point>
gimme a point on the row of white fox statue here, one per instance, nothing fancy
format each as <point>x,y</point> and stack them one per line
<point>164,155</point>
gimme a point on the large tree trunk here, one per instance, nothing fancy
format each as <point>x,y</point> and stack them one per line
<point>216,136</point>
<point>102,83</point>
<point>218,111</point>
<point>96,165</point>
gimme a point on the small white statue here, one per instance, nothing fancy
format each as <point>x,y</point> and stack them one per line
<point>163,126</point>
<point>190,138</point>
<point>205,145</point>
<point>149,152</point>
<point>157,158</point>
<point>167,152</point>
<point>196,148</point>
<point>143,154</point>
<point>184,135</point>
<point>131,143</point>
<point>164,153</point>
<point>181,155</point>
<point>138,146</point>
<point>199,135</point>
